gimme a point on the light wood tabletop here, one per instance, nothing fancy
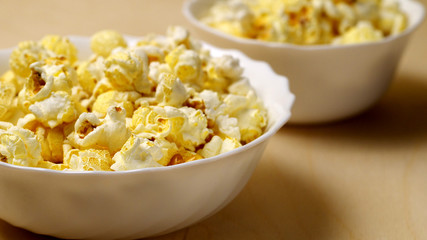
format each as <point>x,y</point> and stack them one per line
<point>364,178</point>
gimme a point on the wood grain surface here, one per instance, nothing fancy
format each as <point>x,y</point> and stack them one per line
<point>364,178</point>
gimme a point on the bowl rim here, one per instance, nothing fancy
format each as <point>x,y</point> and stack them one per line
<point>188,14</point>
<point>283,116</point>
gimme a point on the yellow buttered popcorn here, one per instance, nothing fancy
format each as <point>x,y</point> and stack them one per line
<point>186,127</point>
<point>19,146</point>
<point>361,33</point>
<point>170,91</point>
<point>8,99</point>
<point>160,102</point>
<point>114,98</point>
<point>89,73</point>
<point>185,64</point>
<point>221,72</point>
<point>304,22</point>
<point>88,160</point>
<point>61,46</point>
<point>24,55</point>
<point>103,42</point>
<point>128,71</point>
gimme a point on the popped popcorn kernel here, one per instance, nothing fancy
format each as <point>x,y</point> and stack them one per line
<point>90,72</point>
<point>19,146</point>
<point>170,91</point>
<point>185,64</point>
<point>217,145</point>
<point>51,140</point>
<point>24,55</point>
<point>58,108</point>
<point>93,132</point>
<point>113,98</point>
<point>137,153</point>
<point>361,33</point>
<point>103,42</point>
<point>88,160</point>
<point>8,99</point>
<point>61,46</point>
<point>128,71</point>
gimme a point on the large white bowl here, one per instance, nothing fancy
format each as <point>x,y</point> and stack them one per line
<point>330,82</point>
<point>139,203</point>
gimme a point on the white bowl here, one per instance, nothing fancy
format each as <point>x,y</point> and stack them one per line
<point>138,203</point>
<point>330,82</point>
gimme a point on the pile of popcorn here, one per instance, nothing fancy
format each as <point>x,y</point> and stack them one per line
<point>308,22</point>
<point>164,101</point>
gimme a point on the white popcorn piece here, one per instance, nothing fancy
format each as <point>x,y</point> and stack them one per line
<point>8,101</point>
<point>128,71</point>
<point>92,132</point>
<point>48,76</point>
<point>222,71</point>
<point>156,69</point>
<point>19,146</point>
<point>58,108</point>
<point>217,146</point>
<point>185,64</point>
<point>170,91</point>
<point>137,153</point>
<point>186,127</point>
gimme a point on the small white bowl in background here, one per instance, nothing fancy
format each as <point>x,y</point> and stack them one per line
<point>138,203</point>
<point>330,82</point>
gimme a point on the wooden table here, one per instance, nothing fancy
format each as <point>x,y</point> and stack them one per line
<point>364,178</point>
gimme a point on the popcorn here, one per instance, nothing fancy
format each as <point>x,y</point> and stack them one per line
<point>362,32</point>
<point>19,146</point>
<point>9,77</point>
<point>7,100</point>
<point>178,35</point>
<point>114,98</point>
<point>171,91</point>
<point>163,102</point>
<point>24,55</point>
<point>187,127</point>
<point>304,22</point>
<point>217,145</point>
<point>88,160</point>
<point>137,153</point>
<point>58,108</point>
<point>128,71</point>
<point>107,133</point>
<point>222,71</point>
<point>90,73</point>
<point>51,140</point>
<point>61,46</point>
<point>185,64</point>
<point>103,42</point>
